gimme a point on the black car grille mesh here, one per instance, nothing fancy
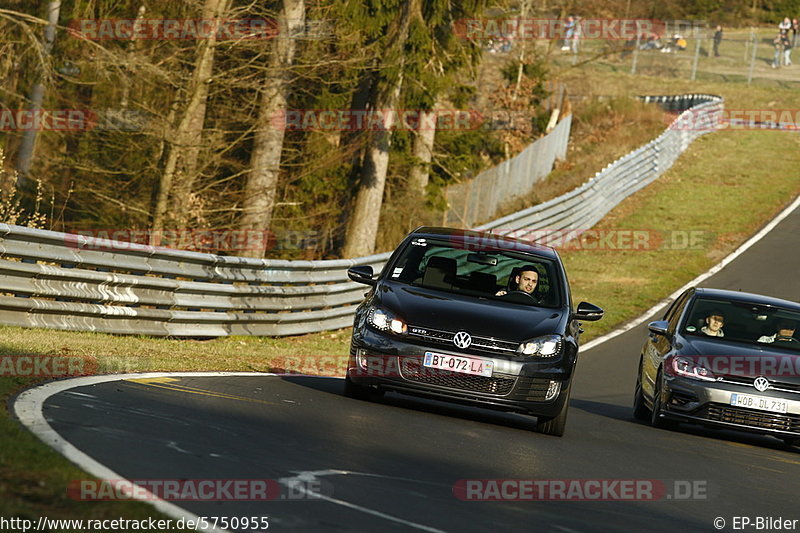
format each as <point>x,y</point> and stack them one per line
<point>758,419</point>
<point>478,343</point>
<point>536,387</point>
<point>412,370</point>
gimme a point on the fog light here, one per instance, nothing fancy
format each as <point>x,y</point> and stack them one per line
<point>553,390</point>
<point>361,358</point>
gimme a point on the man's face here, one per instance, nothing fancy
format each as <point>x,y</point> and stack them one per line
<point>715,322</point>
<point>786,331</point>
<point>527,280</point>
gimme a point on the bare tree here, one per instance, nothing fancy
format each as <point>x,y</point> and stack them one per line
<point>25,155</point>
<point>180,169</point>
<point>265,159</point>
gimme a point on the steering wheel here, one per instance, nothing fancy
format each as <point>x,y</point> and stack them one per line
<point>527,295</point>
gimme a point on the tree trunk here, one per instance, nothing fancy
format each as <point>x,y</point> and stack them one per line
<point>423,152</point>
<point>177,180</point>
<point>28,144</point>
<point>362,228</point>
<point>265,160</point>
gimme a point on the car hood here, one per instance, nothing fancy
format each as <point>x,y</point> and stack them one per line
<point>749,361</point>
<point>483,317</point>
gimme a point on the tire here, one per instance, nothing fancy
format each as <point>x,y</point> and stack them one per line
<point>655,414</point>
<point>358,392</point>
<point>555,425</point>
<point>640,410</point>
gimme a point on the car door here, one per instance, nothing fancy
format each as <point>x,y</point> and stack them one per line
<point>657,347</point>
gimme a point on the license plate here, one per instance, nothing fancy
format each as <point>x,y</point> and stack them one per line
<point>761,403</point>
<point>457,363</point>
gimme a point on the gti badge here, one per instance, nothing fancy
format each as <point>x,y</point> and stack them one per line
<point>462,339</point>
<point>761,383</point>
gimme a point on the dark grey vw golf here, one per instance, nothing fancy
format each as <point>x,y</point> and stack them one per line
<point>469,317</point>
<point>723,358</point>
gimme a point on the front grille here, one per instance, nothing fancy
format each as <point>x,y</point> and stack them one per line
<point>490,344</point>
<point>747,417</point>
<point>411,369</point>
<point>783,386</point>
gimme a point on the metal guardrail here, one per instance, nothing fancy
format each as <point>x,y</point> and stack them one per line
<point>72,282</point>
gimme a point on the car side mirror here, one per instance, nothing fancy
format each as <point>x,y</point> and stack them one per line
<point>362,274</point>
<point>659,327</point>
<point>588,312</point>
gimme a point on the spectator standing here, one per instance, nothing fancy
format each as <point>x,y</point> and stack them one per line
<point>576,35</point>
<point>717,40</point>
<point>570,32</point>
<point>777,42</point>
<point>787,49</point>
<point>795,29</point>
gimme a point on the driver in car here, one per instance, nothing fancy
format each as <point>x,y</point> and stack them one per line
<point>785,333</point>
<point>526,281</point>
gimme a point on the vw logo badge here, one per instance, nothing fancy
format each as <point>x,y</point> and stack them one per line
<point>462,339</point>
<point>761,383</point>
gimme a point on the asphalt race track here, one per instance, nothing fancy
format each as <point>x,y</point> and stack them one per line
<point>393,465</point>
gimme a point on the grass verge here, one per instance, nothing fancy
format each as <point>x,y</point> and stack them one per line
<point>725,186</point>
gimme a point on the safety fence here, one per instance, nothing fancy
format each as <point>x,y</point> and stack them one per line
<point>481,197</point>
<point>73,282</point>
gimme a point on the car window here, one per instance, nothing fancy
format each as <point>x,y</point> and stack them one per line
<point>675,309</point>
<point>438,265</point>
<point>742,322</point>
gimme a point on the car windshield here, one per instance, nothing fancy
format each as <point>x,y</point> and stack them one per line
<point>750,323</point>
<point>501,274</point>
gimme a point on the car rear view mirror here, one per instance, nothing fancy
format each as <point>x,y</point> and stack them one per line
<point>659,327</point>
<point>361,274</point>
<point>482,259</point>
<point>588,312</point>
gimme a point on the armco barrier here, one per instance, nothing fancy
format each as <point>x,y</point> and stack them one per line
<point>72,282</point>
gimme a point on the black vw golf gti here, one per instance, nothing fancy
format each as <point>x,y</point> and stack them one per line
<point>469,317</point>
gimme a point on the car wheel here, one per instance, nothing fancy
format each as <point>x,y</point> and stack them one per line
<point>554,425</point>
<point>655,414</point>
<point>792,441</point>
<point>640,410</point>
<point>358,392</point>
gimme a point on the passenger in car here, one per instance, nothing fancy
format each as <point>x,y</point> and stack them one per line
<point>714,322</point>
<point>785,333</point>
<point>525,281</point>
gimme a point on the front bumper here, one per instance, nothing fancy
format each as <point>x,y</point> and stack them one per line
<point>709,404</point>
<point>393,364</point>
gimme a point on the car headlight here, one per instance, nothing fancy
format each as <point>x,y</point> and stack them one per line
<point>688,368</point>
<point>383,320</point>
<point>546,346</point>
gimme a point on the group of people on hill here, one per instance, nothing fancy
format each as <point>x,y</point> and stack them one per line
<point>784,43</point>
